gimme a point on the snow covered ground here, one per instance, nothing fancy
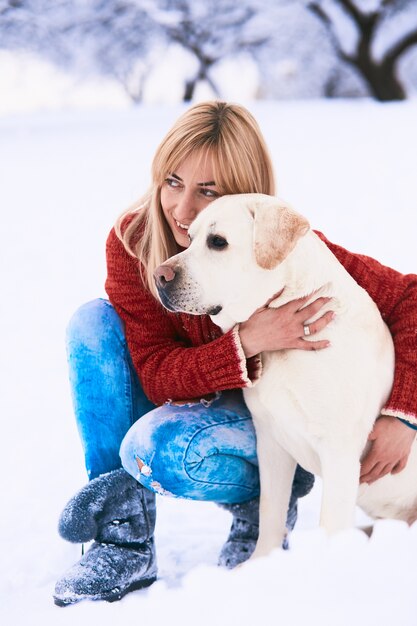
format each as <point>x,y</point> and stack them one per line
<point>350,168</point>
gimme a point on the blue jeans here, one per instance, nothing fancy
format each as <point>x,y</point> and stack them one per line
<point>193,451</point>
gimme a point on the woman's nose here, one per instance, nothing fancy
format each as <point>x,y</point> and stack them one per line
<point>186,210</point>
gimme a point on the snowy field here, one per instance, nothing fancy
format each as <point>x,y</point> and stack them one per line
<point>350,167</point>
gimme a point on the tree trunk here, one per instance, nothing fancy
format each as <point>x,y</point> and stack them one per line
<point>380,76</point>
<point>381,79</point>
<point>202,75</point>
<point>387,87</point>
<point>190,86</point>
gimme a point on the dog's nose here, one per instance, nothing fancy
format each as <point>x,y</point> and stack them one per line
<point>163,275</point>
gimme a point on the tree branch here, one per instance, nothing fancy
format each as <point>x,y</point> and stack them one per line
<point>353,11</point>
<point>389,3</point>
<point>366,22</point>
<point>318,10</point>
<point>400,47</point>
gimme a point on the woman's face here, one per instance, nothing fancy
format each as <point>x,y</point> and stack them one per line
<point>185,193</point>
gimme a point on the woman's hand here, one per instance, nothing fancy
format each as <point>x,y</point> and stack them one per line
<point>391,442</point>
<point>282,328</point>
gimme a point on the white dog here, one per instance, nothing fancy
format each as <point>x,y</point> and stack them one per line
<point>315,408</point>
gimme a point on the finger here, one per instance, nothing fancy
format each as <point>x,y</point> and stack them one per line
<point>369,476</point>
<point>276,295</point>
<point>312,308</point>
<point>369,462</point>
<point>378,471</point>
<point>399,467</point>
<point>308,297</point>
<point>383,471</point>
<point>297,304</point>
<point>371,458</point>
<point>322,322</point>
<point>312,345</point>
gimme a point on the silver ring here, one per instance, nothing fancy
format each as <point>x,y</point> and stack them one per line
<point>307,331</point>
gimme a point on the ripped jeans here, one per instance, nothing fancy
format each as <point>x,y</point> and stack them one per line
<point>193,451</point>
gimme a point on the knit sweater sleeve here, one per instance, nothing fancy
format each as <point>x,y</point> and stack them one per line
<point>171,365</point>
<point>395,295</point>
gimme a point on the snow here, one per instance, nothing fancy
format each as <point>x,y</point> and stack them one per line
<point>350,168</point>
<point>23,78</point>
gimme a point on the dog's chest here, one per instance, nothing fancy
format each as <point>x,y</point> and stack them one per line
<point>280,413</point>
<point>302,400</point>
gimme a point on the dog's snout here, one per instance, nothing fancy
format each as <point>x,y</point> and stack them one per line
<point>163,275</point>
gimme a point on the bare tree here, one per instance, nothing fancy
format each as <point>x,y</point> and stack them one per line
<point>22,23</point>
<point>116,39</point>
<point>123,38</point>
<point>379,71</point>
<point>211,30</point>
<point>302,48</point>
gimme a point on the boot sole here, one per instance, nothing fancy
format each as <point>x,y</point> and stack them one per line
<point>107,597</point>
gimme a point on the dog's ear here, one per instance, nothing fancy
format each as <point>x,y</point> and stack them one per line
<point>277,229</point>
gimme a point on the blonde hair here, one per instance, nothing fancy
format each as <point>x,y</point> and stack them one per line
<point>225,133</point>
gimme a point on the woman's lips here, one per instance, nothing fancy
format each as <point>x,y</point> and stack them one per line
<point>181,228</point>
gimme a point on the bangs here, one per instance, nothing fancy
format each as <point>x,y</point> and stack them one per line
<point>199,154</point>
<point>174,151</point>
<point>236,171</point>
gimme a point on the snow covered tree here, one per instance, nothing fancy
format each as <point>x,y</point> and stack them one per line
<point>12,22</point>
<point>24,24</point>
<point>211,30</point>
<point>371,36</point>
<point>124,38</point>
<point>296,48</point>
<point>116,39</point>
<point>297,60</point>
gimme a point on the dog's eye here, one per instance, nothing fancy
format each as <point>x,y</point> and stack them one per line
<point>216,242</point>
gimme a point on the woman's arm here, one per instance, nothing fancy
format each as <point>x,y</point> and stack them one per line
<point>180,357</point>
<point>177,357</point>
<point>395,295</point>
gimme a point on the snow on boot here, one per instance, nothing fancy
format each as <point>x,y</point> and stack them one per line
<point>244,532</point>
<point>243,535</point>
<point>119,514</point>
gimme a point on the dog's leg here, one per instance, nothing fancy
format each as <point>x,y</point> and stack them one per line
<point>340,474</point>
<point>276,469</point>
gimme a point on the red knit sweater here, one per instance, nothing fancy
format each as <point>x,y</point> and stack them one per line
<point>182,357</point>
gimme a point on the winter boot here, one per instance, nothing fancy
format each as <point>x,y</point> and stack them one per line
<point>119,514</point>
<point>244,532</point>
<point>243,535</point>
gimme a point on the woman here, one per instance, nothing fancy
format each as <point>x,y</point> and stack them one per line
<point>195,437</point>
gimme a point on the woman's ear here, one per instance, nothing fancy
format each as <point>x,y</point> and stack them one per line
<point>277,229</point>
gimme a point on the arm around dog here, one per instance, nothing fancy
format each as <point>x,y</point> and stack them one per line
<point>177,356</point>
<point>395,295</point>
<point>282,328</point>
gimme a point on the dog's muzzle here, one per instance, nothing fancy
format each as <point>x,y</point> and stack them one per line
<point>165,282</point>
<point>180,294</point>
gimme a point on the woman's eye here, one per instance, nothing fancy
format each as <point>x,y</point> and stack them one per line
<point>216,242</point>
<point>171,182</point>
<point>209,193</point>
